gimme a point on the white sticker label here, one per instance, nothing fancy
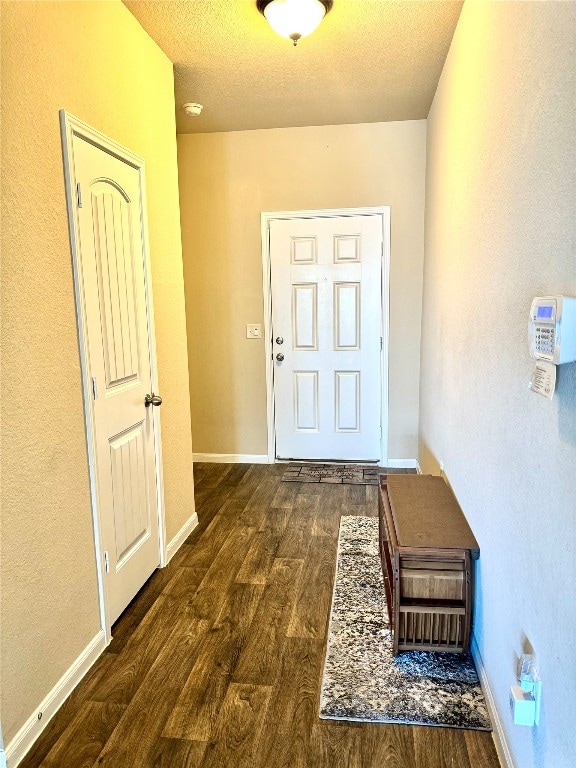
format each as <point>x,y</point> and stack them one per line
<point>543,380</point>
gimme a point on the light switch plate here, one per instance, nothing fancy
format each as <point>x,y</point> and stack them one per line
<point>254,331</point>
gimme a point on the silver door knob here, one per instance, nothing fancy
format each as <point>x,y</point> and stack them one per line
<point>279,357</point>
<point>279,340</point>
<point>152,400</point>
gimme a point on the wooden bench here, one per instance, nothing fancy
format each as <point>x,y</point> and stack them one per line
<point>426,548</point>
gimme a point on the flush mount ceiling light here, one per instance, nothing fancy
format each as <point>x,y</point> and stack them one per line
<point>294,18</point>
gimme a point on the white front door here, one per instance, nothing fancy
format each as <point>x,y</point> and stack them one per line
<point>326,336</point>
<point>112,277</point>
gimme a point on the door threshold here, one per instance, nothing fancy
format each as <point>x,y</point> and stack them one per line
<point>336,462</point>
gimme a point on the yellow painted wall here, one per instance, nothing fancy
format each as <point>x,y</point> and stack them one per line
<point>94,60</point>
<point>500,229</point>
<point>226,181</point>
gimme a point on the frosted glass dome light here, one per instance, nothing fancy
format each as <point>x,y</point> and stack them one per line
<point>294,18</point>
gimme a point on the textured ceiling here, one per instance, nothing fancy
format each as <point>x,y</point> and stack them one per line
<point>369,61</point>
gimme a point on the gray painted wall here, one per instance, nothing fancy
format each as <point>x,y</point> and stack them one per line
<point>500,229</point>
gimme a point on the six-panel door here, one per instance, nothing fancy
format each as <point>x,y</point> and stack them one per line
<point>326,308</point>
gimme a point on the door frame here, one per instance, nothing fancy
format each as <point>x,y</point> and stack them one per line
<point>265,219</point>
<point>70,127</point>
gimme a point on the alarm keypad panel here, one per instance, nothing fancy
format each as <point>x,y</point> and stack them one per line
<point>552,329</point>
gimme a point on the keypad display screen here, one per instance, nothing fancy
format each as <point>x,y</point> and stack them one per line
<point>545,312</point>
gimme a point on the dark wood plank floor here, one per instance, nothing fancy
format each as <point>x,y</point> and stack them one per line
<point>217,662</point>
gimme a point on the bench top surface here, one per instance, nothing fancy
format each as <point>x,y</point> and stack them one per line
<point>427,514</point>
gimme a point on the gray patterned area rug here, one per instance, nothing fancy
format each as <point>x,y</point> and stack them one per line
<point>362,679</point>
<point>351,474</point>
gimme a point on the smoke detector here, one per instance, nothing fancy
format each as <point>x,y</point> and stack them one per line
<point>191,109</point>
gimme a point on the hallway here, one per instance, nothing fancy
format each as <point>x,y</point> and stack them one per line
<point>218,660</point>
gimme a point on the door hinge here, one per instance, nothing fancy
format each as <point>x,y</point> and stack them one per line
<point>94,388</point>
<point>106,562</point>
<point>79,194</point>
<point>380,342</point>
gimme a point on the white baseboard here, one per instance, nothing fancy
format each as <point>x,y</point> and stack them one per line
<point>33,727</point>
<point>181,536</point>
<point>232,458</point>
<point>403,464</point>
<point>500,743</point>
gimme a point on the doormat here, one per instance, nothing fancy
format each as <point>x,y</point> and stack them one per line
<point>349,474</point>
<point>362,679</point>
